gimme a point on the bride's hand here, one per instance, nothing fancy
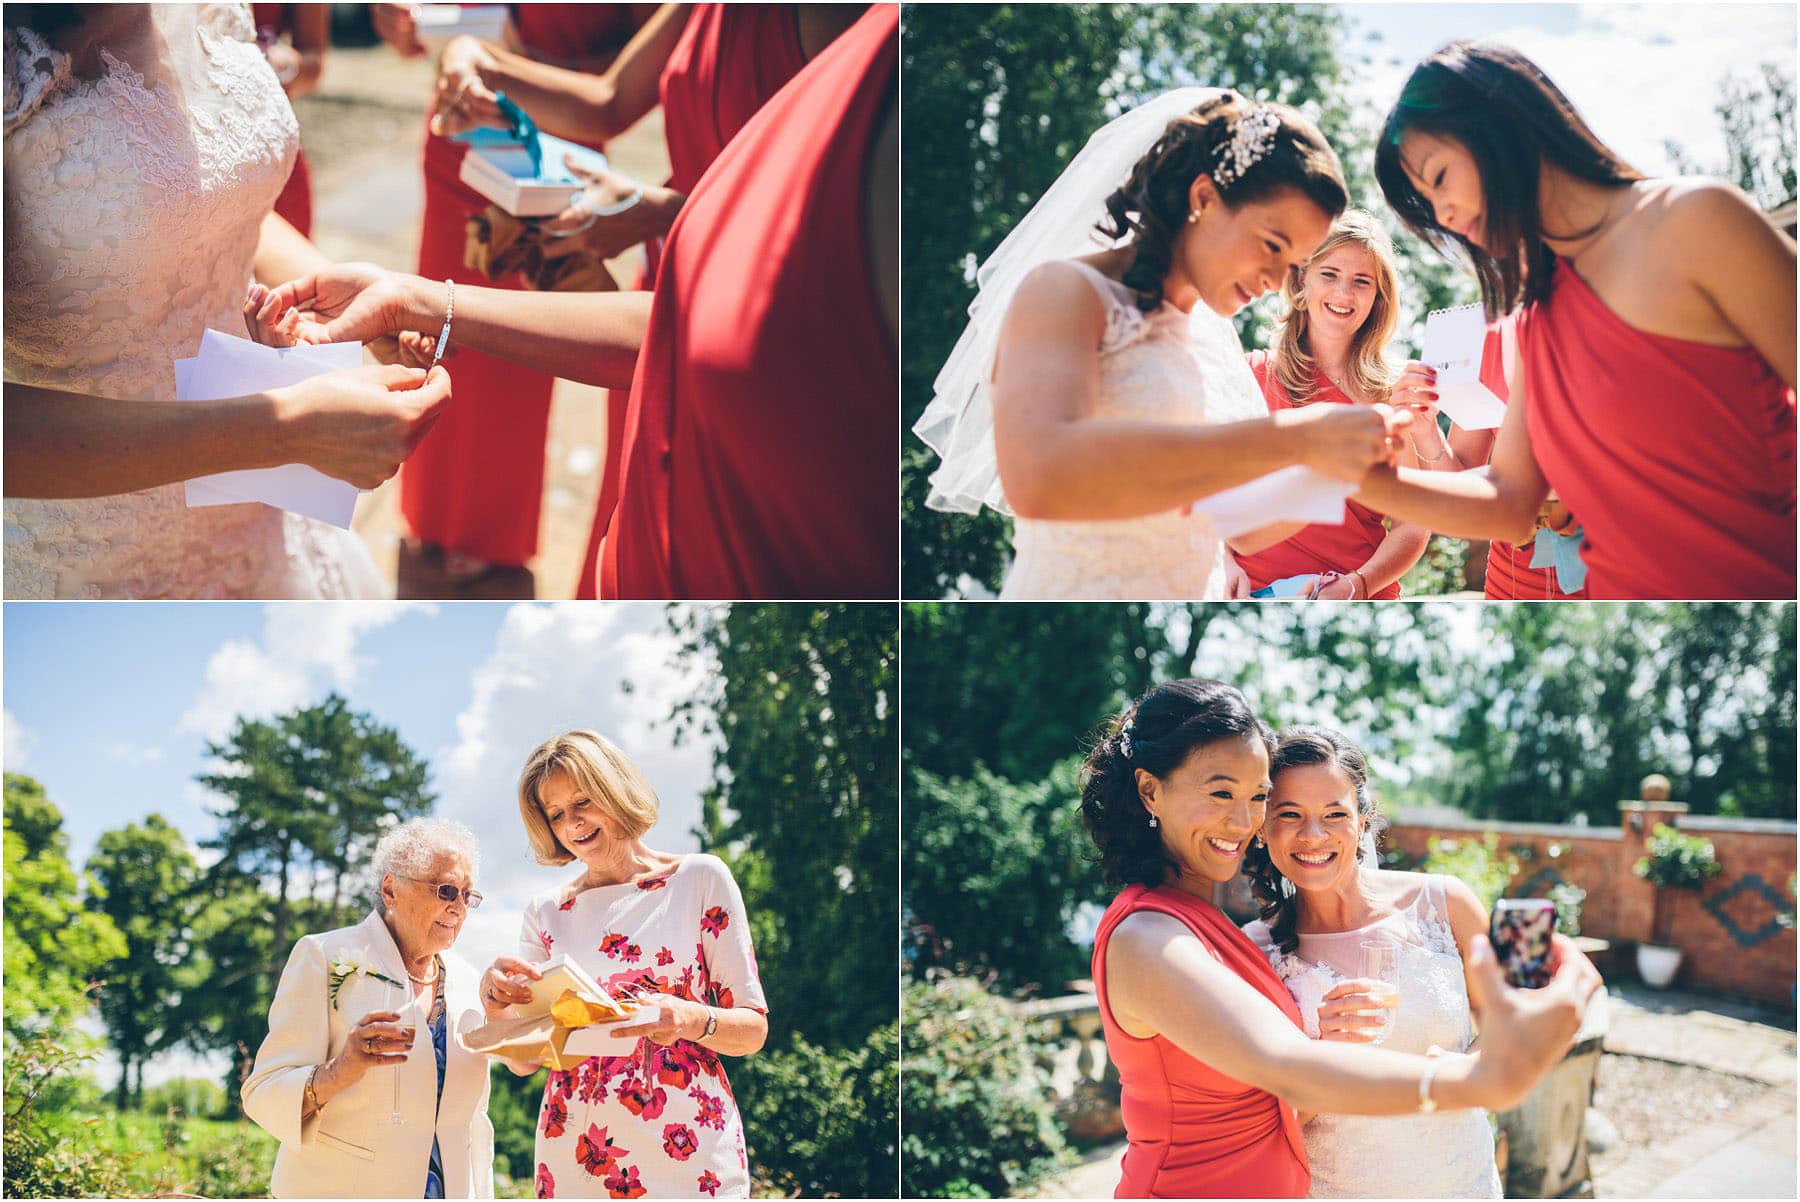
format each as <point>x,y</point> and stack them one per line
<point>347,302</point>
<point>1344,1012</point>
<point>463,99</point>
<point>1345,441</point>
<point>359,425</point>
<point>1525,1032</point>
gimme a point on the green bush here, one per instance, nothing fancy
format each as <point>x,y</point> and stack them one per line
<point>980,1121</point>
<point>49,1150</point>
<point>514,1104</point>
<point>188,1097</point>
<point>1677,861</point>
<point>821,1122</point>
<point>211,1158</point>
<point>1479,865</point>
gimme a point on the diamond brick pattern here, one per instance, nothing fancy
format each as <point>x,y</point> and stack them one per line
<point>1736,915</point>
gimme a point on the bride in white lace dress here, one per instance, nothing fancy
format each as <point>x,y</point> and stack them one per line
<point>1096,394</point>
<point>1323,904</point>
<point>145,146</point>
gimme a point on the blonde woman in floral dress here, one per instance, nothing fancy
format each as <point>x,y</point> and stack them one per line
<point>657,1119</point>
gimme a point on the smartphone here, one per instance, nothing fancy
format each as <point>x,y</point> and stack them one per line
<point>1520,931</point>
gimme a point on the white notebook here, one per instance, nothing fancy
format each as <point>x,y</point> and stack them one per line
<point>1453,339</point>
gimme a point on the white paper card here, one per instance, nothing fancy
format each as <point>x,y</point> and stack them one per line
<point>1453,339</point>
<point>226,367</point>
<point>438,23</point>
<point>1293,494</point>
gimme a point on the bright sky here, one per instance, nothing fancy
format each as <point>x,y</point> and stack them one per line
<point>110,706</point>
<point>1639,73</point>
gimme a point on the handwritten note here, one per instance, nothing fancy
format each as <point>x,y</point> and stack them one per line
<point>1453,339</point>
<point>1293,494</point>
<point>228,367</point>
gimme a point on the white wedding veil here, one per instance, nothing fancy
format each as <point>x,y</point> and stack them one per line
<point>959,422</point>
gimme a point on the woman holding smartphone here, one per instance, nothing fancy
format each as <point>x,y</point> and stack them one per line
<point>1350,940</point>
<point>1212,1056</point>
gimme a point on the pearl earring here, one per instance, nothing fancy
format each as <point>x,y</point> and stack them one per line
<point>1258,841</point>
<point>1193,216</point>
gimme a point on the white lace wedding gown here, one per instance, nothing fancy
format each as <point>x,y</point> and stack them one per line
<point>133,204</point>
<point>1444,1155</point>
<point>1166,366</point>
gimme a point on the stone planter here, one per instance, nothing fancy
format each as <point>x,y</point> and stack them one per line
<point>1546,1135</point>
<point>1657,965</point>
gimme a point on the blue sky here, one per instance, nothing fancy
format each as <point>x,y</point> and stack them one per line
<point>110,706</point>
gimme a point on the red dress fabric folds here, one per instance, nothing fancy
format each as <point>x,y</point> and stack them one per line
<point>761,437</point>
<point>730,60</point>
<point>1195,1132</point>
<point>475,484</point>
<point>1676,456</point>
<point>1341,548</point>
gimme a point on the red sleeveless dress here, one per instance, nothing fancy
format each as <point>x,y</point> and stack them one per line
<point>1678,457</point>
<point>1318,548</point>
<point>476,482</point>
<point>760,441</point>
<point>295,202</point>
<point>731,58</point>
<point>1193,1131</point>
<point>1510,576</point>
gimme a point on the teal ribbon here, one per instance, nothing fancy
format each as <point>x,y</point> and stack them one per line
<point>1562,552</point>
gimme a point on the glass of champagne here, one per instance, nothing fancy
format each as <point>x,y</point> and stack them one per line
<point>1375,964</point>
<point>410,1032</point>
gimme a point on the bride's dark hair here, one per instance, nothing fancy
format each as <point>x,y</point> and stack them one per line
<point>44,19</point>
<point>1152,205</point>
<point>1296,747</point>
<point>1157,733</point>
<point>1500,107</point>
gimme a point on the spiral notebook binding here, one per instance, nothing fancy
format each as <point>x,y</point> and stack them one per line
<point>1455,309</point>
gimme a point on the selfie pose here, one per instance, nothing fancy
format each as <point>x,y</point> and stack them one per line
<point>1654,387</point>
<point>363,1077</point>
<point>1213,1057</point>
<point>1369,956</point>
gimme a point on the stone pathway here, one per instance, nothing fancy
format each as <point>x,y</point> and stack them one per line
<point>364,134</point>
<point>1747,1151</point>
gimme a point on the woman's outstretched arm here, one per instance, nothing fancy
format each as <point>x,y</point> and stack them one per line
<point>1160,980</point>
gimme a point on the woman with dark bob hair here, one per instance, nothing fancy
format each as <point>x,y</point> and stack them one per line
<point>1349,940</point>
<point>1213,1061</point>
<point>1100,389</point>
<point>1654,388</point>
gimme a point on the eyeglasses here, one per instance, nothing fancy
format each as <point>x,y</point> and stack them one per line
<point>447,892</point>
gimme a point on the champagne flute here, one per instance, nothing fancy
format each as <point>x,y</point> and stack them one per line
<point>1375,964</point>
<point>411,1032</point>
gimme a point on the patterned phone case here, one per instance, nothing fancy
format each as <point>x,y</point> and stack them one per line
<point>1520,931</point>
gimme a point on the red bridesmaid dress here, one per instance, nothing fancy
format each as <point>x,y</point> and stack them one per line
<point>475,484</point>
<point>295,202</point>
<point>1510,576</point>
<point>760,440</point>
<point>1342,548</point>
<point>1678,457</point>
<point>730,60</point>
<point>1193,1131</point>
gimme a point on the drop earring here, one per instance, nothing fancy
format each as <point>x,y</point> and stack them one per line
<point>1153,822</point>
<point>1257,841</point>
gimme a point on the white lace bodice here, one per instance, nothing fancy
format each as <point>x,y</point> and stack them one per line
<point>1444,1155</point>
<point>1166,366</point>
<point>133,205</point>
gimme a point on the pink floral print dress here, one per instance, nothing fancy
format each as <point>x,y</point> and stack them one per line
<point>608,1128</point>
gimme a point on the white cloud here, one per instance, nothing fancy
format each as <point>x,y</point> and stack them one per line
<point>1639,74</point>
<point>554,667</point>
<point>130,753</point>
<point>18,741</point>
<point>305,648</point>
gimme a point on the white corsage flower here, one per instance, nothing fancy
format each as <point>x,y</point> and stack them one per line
<point>346,965</point>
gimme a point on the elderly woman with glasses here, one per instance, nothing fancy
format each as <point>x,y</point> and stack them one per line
<point>362,1106</point>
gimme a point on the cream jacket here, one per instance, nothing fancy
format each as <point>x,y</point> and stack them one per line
<point>352,1148</point>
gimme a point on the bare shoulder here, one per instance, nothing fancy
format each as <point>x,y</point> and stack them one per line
<point>1711,216</point>
<point>1058,292</point>
<point>1145,933</point>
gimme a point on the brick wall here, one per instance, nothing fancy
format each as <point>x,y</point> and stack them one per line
<point>1727,931</point>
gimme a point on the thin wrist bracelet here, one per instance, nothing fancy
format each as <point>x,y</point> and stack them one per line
<point>443,338</point>
<point>1427,1103</point>
<point>309,1095</point>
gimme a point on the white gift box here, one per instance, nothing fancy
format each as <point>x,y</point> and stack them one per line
<point>499,168</point>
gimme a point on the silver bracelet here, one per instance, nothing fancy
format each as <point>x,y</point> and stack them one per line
<point>443,338</point>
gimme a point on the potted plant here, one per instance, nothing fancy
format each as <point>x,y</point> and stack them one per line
<point>1675,861</point>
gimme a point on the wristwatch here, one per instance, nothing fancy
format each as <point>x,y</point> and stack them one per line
<point>712,1023</point>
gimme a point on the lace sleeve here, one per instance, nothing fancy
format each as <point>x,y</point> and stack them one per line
<point>34,69</point>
